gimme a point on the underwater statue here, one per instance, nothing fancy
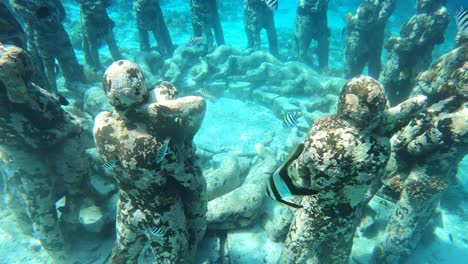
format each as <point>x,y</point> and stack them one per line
<point>365,37</point>
<point>41,155</point>
<point>13,34</point>
<point>11,31</point>
<point>149,148</point>
<point>149,17</point>
<point>311,23</point>
<point>204,19</point>
<point>96,26</point>
<point>411,52</point>
<point>425,155</point>
<point>343,155</point>
<point>48,41</point>
<point>258,16</point>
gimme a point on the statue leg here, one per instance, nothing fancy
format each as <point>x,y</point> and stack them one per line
<point>34,182</point>
<point>302,40</point>
<point>272,36</point>
<point>144,39</point>
<point>39,76</point>
<point>50,68</point>
<point>355,60</point>
<point>161,34</point>
<point>337,248</point>
<point>169,241</point>
<point>195,206</point>
<point>71,69</point>
<point>413,211</point>
<point>375,54</point>
<point>217,27</point>
<point>113,48</point>
<point>197,29</point>
<point>73,168</point>
<point>302,242</point>
<point>209,37</point>
<point>94,42</point>
<point>129,240</point>
<point>322,49</point>
<point>250,37</point>
<point>390,77</point>
<point>86,49</point>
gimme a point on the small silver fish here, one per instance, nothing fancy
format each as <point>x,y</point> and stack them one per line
<point>162,150</point>
<point>207,94</point>
<point>290,119</point>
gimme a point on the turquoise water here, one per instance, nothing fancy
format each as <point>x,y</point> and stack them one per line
<point>127,35</point>
<point>238,125</point>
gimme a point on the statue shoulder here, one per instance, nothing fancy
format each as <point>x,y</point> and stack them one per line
<point>102,120</point>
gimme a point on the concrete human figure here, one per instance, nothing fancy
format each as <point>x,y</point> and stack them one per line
<point>205,19</point>
<point>149,17</point>
<point>342,156</point>
<point>13,34</point>
<point>149,148</point>
<point>41,154</point>
<point>11,31</point>
<point>97,26</point>
<point>311,23</point>
<point>411,53</point>
<point>258,16</point>
<point>435,142</point>
<point>49,40</point>
<point>365,37</point>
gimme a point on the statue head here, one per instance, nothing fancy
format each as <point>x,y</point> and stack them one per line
<point>16,71</point>
<point>362,100</point>
<point>125,85</point>
<point>164,91</point>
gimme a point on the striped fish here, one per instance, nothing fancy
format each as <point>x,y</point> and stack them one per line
<point>109,166</point>
<point>272,4</point>
<point>290,119</point>
<point>280,186</point>
<point>162,150</point>
<point>462,21</point>
<point>207,94</point>
<point>156,232</point>
<point>194,41</point>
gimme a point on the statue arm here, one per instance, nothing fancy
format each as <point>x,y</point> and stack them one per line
<point>101,135</point>
<point>190,176</point>
<point>449,129</point>
<point>399,115</point>
<point>387,9</point>
<point>189,112</point>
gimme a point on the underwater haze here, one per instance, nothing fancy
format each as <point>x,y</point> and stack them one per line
<point>234,131</point>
